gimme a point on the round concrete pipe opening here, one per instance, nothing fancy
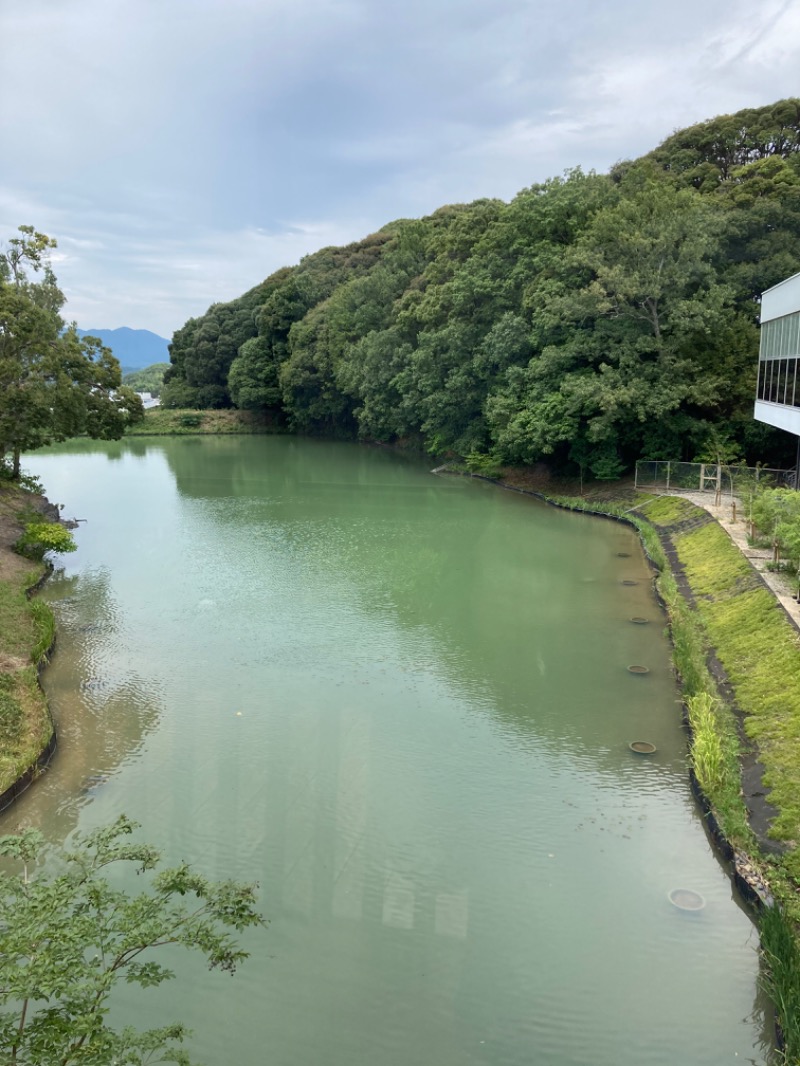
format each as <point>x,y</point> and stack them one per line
<point>639,621</point>
<point>639,669</point>
<point>642,747</point>
<point>686,899</point>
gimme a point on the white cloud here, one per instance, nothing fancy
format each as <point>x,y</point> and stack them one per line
<point>169,146</point>
<point>162,283</point>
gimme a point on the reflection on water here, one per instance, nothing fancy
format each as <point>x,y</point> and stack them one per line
<point>402,704</point>
<point>103,709</point>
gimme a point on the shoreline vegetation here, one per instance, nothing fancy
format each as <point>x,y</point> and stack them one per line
<point>27,636</point>
<point>181,422</point>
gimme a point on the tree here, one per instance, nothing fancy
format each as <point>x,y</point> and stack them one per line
<point>53,384</point>
<point>69,937</point>
<point>707,154</point>
<point>253,377</point>
<point>630,335</point>
<point>776,513</point>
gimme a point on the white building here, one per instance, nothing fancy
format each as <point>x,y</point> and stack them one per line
<point>778,395</point>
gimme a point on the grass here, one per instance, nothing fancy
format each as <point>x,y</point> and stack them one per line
<point>708,754</point>
<point>33,730</point>
<point>11,713</point>
<point>760,651</point>
<point>781,977</point>
<point>715,748</point>
<point>161,421</point>
<point>713,564</point>
<point>27,628</point>
<point>667,510</point>
<point>18,627</point>
<point>45,624</point>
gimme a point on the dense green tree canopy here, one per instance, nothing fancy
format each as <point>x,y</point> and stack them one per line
<point>593,319</point>
<point>53,384</point>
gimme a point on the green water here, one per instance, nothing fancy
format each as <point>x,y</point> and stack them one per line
<point>400,703</point>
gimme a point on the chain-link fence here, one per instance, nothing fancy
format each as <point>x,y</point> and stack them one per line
<point>717,478</point>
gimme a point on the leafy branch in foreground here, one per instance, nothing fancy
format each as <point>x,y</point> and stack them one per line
<point>67,938</point>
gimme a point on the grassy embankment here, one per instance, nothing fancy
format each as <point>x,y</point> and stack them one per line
<point>737,617</point>
<point>164,422</point>
<point>26,634</point>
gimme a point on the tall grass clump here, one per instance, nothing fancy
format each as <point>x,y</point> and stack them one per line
<point>781,976</point>
<point>45,623</point>
<point>11,714</point>
<point>652,544</point>
<point>716,756</point>
<point>708,756</point>
<point>688,643</point>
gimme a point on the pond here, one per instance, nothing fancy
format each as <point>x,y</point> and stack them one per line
<point>402,703</point>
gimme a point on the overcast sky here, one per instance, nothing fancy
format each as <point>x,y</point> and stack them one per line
<point>182,150</point>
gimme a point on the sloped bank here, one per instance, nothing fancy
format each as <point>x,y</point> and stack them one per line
<point>27,638</point>
<point>737,659</point>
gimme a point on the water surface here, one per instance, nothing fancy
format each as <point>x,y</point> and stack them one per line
<point>400,703</point>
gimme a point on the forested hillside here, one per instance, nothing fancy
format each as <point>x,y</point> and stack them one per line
<point>592,320</point>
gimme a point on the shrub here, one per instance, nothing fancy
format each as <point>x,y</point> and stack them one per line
<point>485,465</point>
<point>776,512</point>
<point>41,537</point>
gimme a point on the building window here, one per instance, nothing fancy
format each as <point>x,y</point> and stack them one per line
<point>779,381</point>
<point>780,337</point>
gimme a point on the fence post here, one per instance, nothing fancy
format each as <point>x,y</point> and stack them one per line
<point>636,476</point>
<point>669,468</point>
<point>702,476</point>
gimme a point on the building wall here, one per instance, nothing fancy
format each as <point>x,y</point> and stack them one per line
<point>778,391</point>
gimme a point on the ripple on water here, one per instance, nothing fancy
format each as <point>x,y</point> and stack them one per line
<point>405,713</point>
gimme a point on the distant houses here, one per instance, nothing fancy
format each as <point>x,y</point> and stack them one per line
<point>148,400</point>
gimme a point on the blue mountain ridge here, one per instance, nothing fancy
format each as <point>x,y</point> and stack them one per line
<point>134,348</point>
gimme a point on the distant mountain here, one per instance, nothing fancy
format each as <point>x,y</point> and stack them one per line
<point>134,348</point>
